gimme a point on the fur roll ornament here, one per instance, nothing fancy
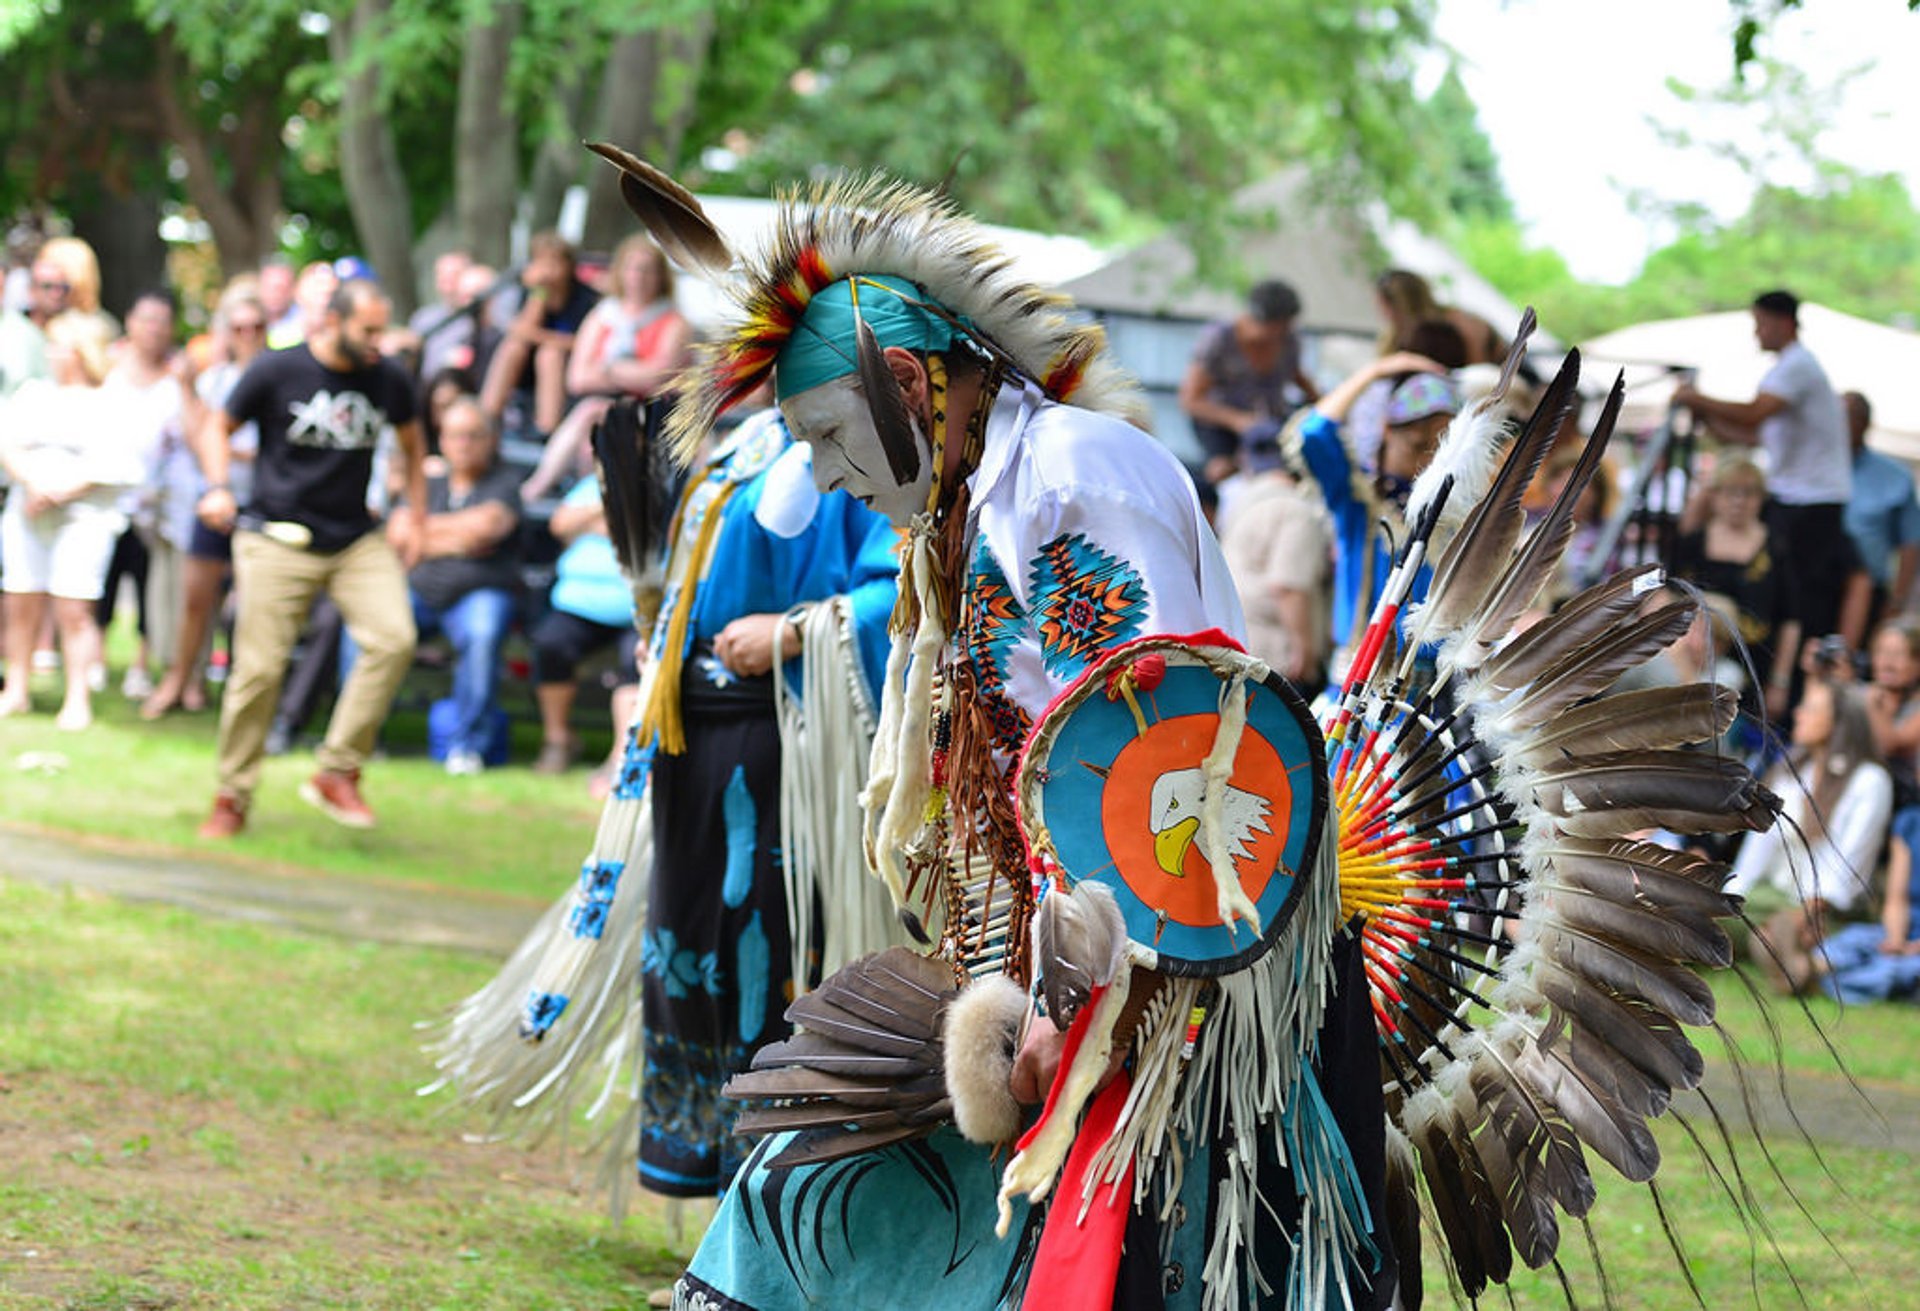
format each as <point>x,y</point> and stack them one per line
<point>983,1036</point>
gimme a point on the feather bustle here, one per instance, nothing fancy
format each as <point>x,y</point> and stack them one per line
<point>1537,560</point>
<point>1478,555</point>
<point>1573,627</point>
<point>1648,719</point>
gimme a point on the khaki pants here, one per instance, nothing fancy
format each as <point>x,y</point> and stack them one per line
<point>274,586</point>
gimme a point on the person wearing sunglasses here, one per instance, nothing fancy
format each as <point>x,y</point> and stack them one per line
<point>23,334</point>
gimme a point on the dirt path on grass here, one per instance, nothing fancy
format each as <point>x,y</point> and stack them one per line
<point>1829,1108</point>
<point>368,909</point>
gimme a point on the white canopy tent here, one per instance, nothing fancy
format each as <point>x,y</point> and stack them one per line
<point>1877,361</point>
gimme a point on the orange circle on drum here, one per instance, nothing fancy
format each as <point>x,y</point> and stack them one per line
<point>1169,756</point>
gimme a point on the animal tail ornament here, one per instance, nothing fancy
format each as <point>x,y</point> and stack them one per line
<point>1534,961</point>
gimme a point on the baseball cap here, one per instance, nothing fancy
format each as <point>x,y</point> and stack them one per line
<point>1421,396</point>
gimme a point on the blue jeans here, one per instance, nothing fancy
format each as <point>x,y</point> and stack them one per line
<point>477,626</point>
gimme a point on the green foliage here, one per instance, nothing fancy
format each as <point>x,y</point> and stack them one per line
<point>1836,236</point>
<point>1075,117</point>
<point>1107,119</point>
<point>1856,248</point>
<point>1466,165</point>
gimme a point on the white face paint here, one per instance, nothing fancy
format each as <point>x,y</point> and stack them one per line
<point>834,420</point>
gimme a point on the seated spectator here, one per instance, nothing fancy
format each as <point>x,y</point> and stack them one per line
<point>591,608</point>
<point>1893,703</point>
<point>466,580</point>
<point>442,390</point>
<point>1245,372</point>
<point>1877,962</point>
<point>1406,302</point>
<point>525,391</point>
<point>1738,556</point>
<point>452,341</point>
<point>1817,862</point>
<point>631,344</point>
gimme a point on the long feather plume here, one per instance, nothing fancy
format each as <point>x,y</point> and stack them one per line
<point>1632,721</point>
<point>1592,670</point>
<point>675,220</point>
<point>1537,560</point>
<point>1572,628</point>
<point>1469,448</point>
<point>884,401</point>
<point>1480,552</point>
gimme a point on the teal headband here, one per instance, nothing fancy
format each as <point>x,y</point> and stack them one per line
<point>822,345</point>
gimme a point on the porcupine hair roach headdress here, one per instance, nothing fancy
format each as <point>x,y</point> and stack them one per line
<point>934,260</point>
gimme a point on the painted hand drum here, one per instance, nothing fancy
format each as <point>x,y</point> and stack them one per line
<point>1191,780</point>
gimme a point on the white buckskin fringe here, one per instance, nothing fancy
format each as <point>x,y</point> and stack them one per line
<point>1252,1077</point>
<point>825,737</point>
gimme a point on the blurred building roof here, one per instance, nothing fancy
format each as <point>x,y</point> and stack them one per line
<point>1329,253</point>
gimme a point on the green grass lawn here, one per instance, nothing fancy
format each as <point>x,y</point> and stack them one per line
<point>198,1112</point>
<point>201,1113</point>
<point>123,780</point>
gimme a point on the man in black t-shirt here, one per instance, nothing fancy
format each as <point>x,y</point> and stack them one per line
<point>468,574</point>
<point>320,408</point>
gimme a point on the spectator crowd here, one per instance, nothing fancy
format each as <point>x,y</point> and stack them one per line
<point>295,497</point>
<point>1802,542</point>
<point>302,492</point>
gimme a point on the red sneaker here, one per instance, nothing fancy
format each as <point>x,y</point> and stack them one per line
<point>228,818</point>
<point>337,795</point>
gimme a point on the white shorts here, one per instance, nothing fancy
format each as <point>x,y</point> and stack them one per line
<point>63,552</point>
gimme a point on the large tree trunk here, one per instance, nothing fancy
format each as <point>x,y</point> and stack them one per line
<point>244,213</point>
<point>560,162</point>
<point>123,227</point>
<point>486,137</point>
<point>369,160</point>
<point>646,101</point>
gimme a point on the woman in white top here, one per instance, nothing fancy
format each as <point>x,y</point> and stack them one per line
<point>69,465</point>
<point>1839,799</point>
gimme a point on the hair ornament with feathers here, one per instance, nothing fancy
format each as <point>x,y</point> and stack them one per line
<point>859,229</point>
